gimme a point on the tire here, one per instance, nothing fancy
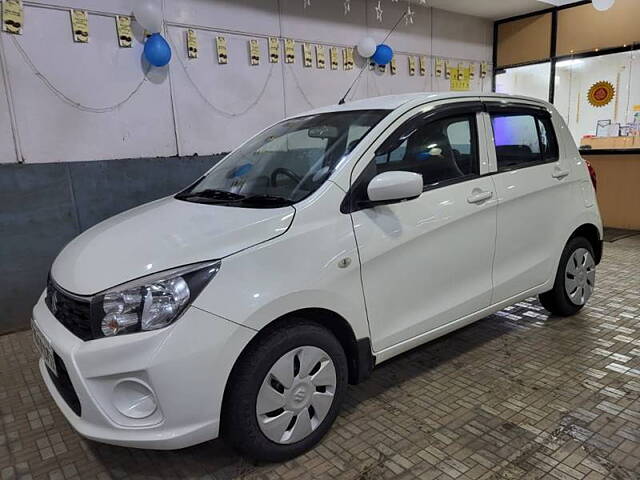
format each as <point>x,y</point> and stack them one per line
<point>271,401</point>
<point>574,281</point>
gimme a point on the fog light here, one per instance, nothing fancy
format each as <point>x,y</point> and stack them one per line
<point>134,399</point>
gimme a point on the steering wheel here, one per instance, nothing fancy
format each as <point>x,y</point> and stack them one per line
<point>286,172</point>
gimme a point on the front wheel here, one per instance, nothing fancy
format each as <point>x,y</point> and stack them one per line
<point>575,279</point>
<point>285,393</point>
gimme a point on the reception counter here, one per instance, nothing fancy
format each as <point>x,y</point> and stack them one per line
<point>618,190</point>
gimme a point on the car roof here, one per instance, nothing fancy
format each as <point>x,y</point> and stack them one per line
<point>392,102</point>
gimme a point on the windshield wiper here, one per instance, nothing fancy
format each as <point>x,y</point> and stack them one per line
<point>265,200</point>
<point>223,197</point>
<point>210,195</point>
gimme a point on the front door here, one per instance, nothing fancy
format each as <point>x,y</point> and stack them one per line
<point>427,262</point>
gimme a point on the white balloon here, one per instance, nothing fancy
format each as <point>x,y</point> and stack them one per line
<point>366,47</point>
<point>148,13</point>
<point>602,5</point>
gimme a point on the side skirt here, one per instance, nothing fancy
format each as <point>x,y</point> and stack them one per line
<point>402,347</point>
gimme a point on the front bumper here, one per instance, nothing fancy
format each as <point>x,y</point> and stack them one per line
<point>185,365</point>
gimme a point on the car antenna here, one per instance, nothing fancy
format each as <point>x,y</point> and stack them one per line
<point>344,98</point>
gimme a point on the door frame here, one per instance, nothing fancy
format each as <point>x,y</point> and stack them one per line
<point>428,111</point>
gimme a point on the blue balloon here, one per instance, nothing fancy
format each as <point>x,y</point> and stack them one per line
<point>383,54</point>
<point>157,51</point>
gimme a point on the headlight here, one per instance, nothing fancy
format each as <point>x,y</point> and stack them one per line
<point>149,303</point>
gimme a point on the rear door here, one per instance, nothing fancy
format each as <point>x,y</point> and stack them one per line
<point>427,262</point>
<point>534,196</point>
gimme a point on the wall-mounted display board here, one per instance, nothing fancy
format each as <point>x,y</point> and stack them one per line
<point>524,40</point>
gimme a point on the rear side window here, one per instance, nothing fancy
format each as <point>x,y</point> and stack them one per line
<point>522,140</point>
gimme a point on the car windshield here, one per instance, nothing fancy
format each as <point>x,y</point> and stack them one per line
<point>285,163</point>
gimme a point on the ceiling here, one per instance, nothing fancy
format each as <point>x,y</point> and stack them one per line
<point>495,9</point>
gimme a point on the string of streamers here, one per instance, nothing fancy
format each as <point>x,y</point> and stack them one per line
<point>299,87</point>
<point>209,103</point>
<point>373,82</point>
<point>65,98</point>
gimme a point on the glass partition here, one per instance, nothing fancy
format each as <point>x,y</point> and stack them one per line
<point>529,80</point>
<point>599,97</point>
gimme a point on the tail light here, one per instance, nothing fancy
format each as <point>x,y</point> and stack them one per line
<point>592,174</point>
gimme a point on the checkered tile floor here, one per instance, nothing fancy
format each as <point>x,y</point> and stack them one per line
<point>517,395</point>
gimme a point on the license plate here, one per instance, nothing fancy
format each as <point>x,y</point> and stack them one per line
<point>44,348</point>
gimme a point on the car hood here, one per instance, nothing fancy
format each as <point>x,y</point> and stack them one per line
<point>160,235</point>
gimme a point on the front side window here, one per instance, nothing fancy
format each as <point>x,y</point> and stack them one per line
<point>522,140</point>
<point>285,163</point>
<point>442,151</point>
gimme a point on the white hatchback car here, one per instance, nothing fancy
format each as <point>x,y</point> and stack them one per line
<point>328,243</point>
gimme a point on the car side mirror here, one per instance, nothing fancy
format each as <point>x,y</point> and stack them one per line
<point>389,187</point>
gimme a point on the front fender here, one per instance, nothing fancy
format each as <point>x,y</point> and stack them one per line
<point>313,265</point>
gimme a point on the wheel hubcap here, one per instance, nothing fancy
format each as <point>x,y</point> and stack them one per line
<point>580,276</point>
<point>296,395</point>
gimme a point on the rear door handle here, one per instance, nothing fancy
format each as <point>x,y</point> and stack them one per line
<point>479,196</point>
<point>560,174</point>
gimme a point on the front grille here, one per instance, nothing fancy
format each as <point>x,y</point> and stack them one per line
<point>70,311</point>
<point>64,386</point>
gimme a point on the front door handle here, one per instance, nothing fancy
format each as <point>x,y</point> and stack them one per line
<point>560,174</point>
<point>478,196</point>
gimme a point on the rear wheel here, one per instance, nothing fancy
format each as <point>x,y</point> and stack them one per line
<point>285,393</point>
<point>575,279</point>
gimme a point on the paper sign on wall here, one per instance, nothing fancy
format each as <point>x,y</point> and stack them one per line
<point>192,43</point>
<point>439,70</point>
<point>80,25</point>
<point>484,69</point>
<point>333,57</point>
<point>347,58</point>
<point>423,66</point>
<point>221,46</point>
<point>320,56</point>
<point>123,27</point>
<point>412,66</point>
<point>289,50</point>
<point>459,79</point>
<point>306,55</point>
<point>12,16</point>
<point>254,52</point>
<point>274,50</point>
